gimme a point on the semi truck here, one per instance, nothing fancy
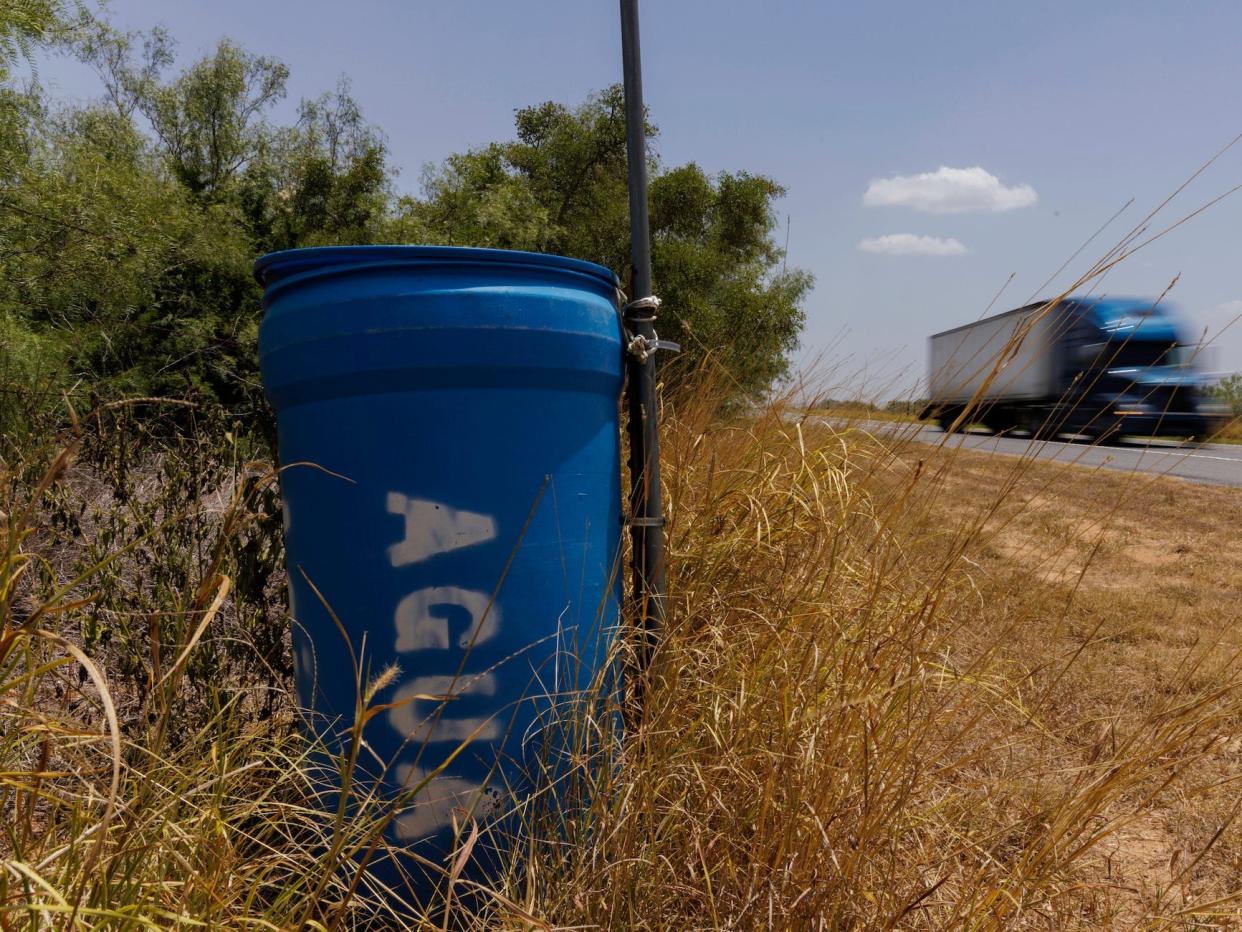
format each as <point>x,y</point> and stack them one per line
<point>1099,367</point>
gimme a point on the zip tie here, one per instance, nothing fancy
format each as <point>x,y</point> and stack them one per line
<point>643,348</point>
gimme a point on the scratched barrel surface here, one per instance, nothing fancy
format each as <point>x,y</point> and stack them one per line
<point>449,439</point>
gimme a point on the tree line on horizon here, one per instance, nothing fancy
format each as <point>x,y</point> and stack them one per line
<point>129,224</point>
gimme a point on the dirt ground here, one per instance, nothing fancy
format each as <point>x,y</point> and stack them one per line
<point>1139,579</point>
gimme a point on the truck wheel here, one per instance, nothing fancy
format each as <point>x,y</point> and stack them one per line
<point>946,420</point>
<point>1037,426</point>
<point>999,422</point>
<point>1108,435</point>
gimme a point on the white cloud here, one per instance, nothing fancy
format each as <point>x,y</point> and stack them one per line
<point>910,244</point>
<point>949,191</point>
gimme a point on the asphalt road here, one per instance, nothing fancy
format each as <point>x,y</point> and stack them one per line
<point>1210,463</point>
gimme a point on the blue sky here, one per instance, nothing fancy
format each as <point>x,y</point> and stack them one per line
<point>1085,104</point>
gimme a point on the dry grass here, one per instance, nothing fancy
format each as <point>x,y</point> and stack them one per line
<point>1139,578</point>
<point>902,687</point>
<point>894,698</point>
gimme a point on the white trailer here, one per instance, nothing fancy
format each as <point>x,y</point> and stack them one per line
<point>1008,357</point>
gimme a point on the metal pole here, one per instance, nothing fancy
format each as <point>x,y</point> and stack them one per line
<point>646,514</point>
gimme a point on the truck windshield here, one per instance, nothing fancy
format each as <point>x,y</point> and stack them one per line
<point>1135,353</point>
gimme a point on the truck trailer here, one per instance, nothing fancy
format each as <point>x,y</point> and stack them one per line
<point>1098,367</point>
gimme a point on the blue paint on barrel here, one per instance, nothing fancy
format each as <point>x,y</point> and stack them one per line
<point>449,438</point>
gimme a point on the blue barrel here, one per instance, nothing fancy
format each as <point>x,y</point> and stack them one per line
<point>449,440</point>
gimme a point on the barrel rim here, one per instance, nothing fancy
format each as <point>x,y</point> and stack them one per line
<point>272,268</point>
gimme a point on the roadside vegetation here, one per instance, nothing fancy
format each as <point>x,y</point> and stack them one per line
<point>903,686</point>
<point>1229,390</point>
<point>901,409</point>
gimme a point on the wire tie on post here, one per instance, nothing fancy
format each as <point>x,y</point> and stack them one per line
<point>643,522</point>
<point>637,345</point>
<point>650,303</point>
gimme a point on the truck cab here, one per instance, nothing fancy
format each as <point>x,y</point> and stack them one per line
<point>1132,366</point>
